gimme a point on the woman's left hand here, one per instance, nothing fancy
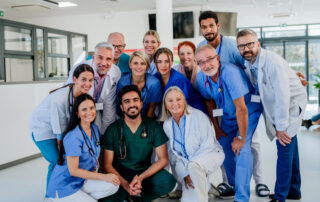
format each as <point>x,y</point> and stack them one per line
<point>112,178</point>
<point>237,144</point>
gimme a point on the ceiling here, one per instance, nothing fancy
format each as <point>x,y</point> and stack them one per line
<point>280,9</point>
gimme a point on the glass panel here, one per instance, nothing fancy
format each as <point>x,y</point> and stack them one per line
<point>17,39</point>
<point>296,56</point>
<point>57,67</point>
<point>40,53</point>
<point>275,47</point>
<point>314,30</point>
<point>314,69</point>
<point>270,32</point>
<point>255,29</point>
<point>78,49</point>
<point>57,44</point>
<point>18,69</point>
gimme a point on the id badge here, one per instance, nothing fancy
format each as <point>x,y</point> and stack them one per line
<point>99,106</point>
<point>217,112</point>
<point>255,98</point>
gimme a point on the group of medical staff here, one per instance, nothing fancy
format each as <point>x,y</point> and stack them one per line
<point>209,105</point>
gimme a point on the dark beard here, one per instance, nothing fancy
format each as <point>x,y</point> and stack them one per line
<point>132,116</point>
<point>212,38</point>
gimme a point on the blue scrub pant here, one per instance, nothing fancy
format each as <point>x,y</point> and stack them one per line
<point>239,168</point>
<point>49,150</point>
<point>288,180</point>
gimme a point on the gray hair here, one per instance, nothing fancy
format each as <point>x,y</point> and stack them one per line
<point>203,47</point>
<point>246,32</point>
<point>104,45</point>
<point>165,114</point>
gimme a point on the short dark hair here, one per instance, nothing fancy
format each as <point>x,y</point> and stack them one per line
<point>208,14</point>
<point>126,89</point>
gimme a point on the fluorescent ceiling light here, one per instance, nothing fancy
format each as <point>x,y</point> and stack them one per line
<point>66,4</point>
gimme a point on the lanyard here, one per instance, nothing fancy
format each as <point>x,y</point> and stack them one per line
<point>182,144</point>
<point>98,94</point>
<point>220,99</point>
<point>220,44</point>
<point>144,87</point>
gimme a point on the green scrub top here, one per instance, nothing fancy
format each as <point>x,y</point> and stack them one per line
<point>138,149</point>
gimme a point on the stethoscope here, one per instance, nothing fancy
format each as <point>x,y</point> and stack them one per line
<point>70,100</point>
<point>122,138</point>
<point>182,144</point>
<point>144,87</point>
<point>92,153</point>
<point>220,90</point>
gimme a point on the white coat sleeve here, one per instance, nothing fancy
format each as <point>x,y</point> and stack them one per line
<point>176,163</point>
<point>277,72</point>
<point>58,117</point>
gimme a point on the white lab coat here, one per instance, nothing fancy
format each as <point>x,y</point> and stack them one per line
<point>283,97</point>
<point>200,143</point>
<point>108,95</point>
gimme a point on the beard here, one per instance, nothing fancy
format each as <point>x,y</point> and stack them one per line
<point>251,57</point>
<point>132,116</point>
<point>212,73</point>
<point>102,72</point>
<point>209,38</point>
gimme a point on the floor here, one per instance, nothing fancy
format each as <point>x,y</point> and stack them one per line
<point>26,182</point>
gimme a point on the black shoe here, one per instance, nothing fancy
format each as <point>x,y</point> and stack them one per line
<point>306,123</point>
<point>292,197</point>
<point>226,192</point>
<point>274,200</point>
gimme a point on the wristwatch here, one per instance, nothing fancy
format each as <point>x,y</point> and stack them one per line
<point>241,138</point>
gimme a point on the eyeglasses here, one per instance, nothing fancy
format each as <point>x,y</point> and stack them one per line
<point>249,45</point>
<point>119,47</point>
<point>203,63</point>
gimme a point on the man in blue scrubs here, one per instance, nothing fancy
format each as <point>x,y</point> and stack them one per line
<point>227,50</point>
<point>284,100</point>
<point>229,87</point>
<point>120,59</point>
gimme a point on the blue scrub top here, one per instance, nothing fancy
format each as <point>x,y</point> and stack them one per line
<point>61,181</point>
<point>123,63</point>
<point>192,96</point>
<point>152,68</point>
<point>234,84</point>
<point>151,92</point>
<point>228,51</point>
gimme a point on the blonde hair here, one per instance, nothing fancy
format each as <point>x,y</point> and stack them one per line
<point>152,33</point>
<point>141,55</point>
<point>165,113</point>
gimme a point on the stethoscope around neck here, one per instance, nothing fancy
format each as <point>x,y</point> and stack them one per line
<point>97,142</point>
<point>123,139</point>
<point>145,86</point>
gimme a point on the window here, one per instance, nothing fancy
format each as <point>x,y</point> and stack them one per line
<point>33,53</point>
<point>314,30</point>
<point>289,31</point>
<point>17,39</point>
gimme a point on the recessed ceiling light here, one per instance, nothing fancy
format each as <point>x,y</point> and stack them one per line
<point>66,4</point>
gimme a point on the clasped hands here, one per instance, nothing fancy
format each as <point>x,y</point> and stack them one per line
<point>135,187</point>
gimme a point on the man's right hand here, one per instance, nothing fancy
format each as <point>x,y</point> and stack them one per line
<point>219,133</point>
<point>283,138</point>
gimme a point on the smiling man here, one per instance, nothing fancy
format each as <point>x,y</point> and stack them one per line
<point>229,87</point>
<point>284,100</point>
<point>106,76</point>
<point>120,59</point>
<point>128,145</point>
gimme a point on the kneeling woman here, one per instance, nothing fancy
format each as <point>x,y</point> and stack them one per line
<point>194,152</point>
<point>75,178</point>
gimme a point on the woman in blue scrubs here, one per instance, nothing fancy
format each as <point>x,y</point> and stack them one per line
<point>50,118</point>
<point>75,178</point>
<point>148,85</point>
<point>170,77</point>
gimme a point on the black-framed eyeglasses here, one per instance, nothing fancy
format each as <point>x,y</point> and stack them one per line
<point>249,45</point>
<point>203,63</point>
<point>120,47</point>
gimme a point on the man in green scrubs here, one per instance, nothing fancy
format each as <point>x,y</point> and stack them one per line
<point>128,145</point>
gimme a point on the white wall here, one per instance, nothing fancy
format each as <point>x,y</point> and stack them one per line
<point>17,103</point>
